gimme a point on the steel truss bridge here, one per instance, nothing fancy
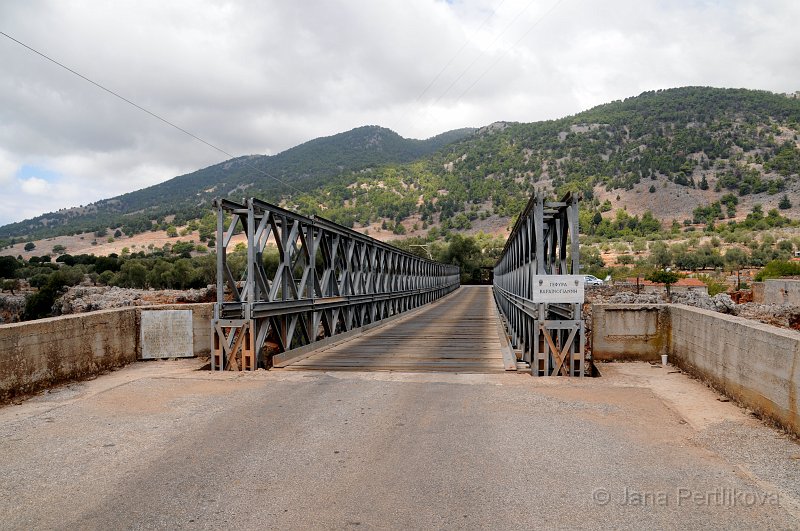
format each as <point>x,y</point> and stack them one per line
<point>549,337</point>
<point>332,283</point>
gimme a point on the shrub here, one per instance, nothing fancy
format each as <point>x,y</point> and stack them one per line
<point>778,269</point>
<point>714,285</point>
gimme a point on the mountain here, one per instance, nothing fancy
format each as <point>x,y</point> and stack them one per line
<point>677,156</point>
<point>673,152</point>
<point>303,167</point>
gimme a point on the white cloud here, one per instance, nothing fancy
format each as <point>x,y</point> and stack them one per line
<point>255,77</point>
<point>8,168</point>
<point>34,186</point>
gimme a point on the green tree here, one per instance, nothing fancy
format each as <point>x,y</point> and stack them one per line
<point>591,261</point>
<point>735,260</point>
<point>784,203</point>
<point>668,278</point>
<point>778,269</point>
<point>714,285</point>
<point>106,277</point>
<point>40,304</point>
<point>132,274</point>
<point>30,246</point>
<point>660,255</point>
<point>11,285</point>
<point>8,266</point>
<point>464,253</point>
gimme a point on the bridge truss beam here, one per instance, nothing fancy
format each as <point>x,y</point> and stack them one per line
<point>329,280</point>
<point>544,241</point>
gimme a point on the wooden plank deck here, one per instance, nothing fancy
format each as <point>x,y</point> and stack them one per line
<point>456,334</point>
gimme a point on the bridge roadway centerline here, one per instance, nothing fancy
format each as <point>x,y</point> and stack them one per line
<point>458,334</point>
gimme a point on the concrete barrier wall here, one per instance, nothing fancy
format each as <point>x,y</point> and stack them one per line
<point>37,354</point>
<point>630,332</point>
<point>755,363</point>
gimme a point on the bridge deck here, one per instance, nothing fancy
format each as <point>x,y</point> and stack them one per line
<point>456,334</point>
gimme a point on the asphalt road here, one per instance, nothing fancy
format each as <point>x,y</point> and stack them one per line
<point>160,445</point>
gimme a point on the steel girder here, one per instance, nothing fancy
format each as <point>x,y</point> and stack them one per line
<point>329,280</point>
<point>550,337</point>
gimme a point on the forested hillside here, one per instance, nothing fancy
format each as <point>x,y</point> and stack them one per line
<point>702,147</point>
<point>678,156</point>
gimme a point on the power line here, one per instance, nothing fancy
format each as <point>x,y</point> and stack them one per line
<point>493,63</point>
<point>162,119</point>
<point>446,66</point>
<point>151,113</point>
<point>477,57</point>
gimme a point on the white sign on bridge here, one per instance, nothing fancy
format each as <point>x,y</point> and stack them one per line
<point>558,288</point>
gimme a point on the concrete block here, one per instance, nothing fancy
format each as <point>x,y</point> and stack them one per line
<point>166,334</point>
<point>630,331</point>
<point>201,323</point>
<point>781,291</point>
<point>755,363</point>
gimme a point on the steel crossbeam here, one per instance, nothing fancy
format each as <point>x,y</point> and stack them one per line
<point>548,336</point>
<point>329,280</point>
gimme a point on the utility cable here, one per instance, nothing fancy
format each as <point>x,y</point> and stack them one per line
<point>164,120</point>
<point>477,57</point>
<point>493,63</point>
<point>455,55</point>
<point>151,113</point>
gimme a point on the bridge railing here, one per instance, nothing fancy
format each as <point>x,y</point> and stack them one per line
<point>545,333</point>
<point>329,280</point>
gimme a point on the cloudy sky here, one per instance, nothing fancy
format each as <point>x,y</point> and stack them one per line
<point>260,77</point>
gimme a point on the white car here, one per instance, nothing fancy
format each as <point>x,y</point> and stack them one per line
<point>591,280</point>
